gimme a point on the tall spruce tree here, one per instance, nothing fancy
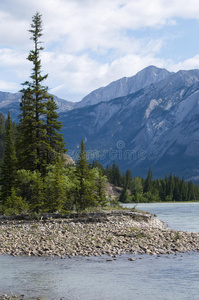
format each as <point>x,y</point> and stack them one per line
<point>2,135</point>
<point>148,182</point>
<point>85,195</point>
<point>55,139</point>
<point>38,129</point>
<point>9,163</point>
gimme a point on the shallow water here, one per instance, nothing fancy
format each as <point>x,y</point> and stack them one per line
<point>178,216</point>
<point>160,278</point>
<point>148,277</point>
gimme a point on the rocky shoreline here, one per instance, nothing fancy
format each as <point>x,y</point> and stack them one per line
<point>112,234</point>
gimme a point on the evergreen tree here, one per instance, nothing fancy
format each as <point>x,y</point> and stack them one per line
<point>100,188</point>
<point>176,190</point>
<point>191,193</point>
<point>96,164</point>
<point>170,186</point>
<point>148,181</point>
<point>2,135</point>
<point>55,139</point>
<point>85,196</point>
<point>14,204</point>
<point>162,189</point>
<point>9,165</point>
<point>124,195</point>
<point>26,143</point>
<point>183,190</point>
<point>128,179</point>
<point>55,189</point>
<point>38,126</point>
<point>116,176</point>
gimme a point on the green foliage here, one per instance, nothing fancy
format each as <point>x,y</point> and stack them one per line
<point>85,190</point>
<point>127,179</point>
<point>53,127</point>
<point>9,164</point>
<point>56,186</point>
<point>14,204</point>
<point>148,182</point>
<point>124,196</point>
<point>31,188</point>
<point>100,186</point>
<point>2,135</point>
<point>136,186</point>
<point>115,175</point>
<point>40,142</point>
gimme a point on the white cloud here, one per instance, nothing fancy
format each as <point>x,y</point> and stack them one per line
<point>191,63</point>
<point>8,86</point>
<point>89,43</point>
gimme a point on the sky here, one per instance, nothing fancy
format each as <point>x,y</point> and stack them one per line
<point>90,43</point>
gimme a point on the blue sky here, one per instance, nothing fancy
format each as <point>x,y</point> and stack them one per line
<point>90,43</point>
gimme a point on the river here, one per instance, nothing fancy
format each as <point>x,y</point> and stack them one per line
<point>95,278</point>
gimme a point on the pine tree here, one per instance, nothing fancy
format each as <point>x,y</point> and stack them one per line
<point>100,188</point>
<point>116,175</point>
<point>128,179</point>
<point>9,165</point>
<point>53,127</point>
<point>26,142</point>
<point>2,136</point>
<point>38,122</point>
<point>148,181</point>
<point>55,189</point>
<point>170,186</point>
<point>85,196</point>
<point>191,194</point>
<point>124,195</point>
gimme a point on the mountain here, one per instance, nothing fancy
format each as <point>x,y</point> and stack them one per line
<point>156,126</point>
<point>150,119</point>
<point>125,86</point>
<point>10,102</point>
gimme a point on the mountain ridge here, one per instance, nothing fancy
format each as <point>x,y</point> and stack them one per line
<point>156,125</point>
<point>125,86</point>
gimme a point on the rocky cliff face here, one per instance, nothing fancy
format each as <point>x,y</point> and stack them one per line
<point>156,126</point>
<point>150,119</point>
<point>10,102</point>
<point>125,86</point>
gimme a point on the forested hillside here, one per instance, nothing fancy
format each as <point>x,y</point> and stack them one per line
<point>137,189</point>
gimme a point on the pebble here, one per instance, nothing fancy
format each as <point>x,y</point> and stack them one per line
<point>114,235</point>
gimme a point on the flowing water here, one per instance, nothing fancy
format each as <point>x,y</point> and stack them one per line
<point>178,216</point>
<point>95,278</point>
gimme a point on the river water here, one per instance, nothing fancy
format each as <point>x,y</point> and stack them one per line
<point>95,278</point>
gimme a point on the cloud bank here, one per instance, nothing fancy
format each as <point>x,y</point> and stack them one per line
<point>90,43</point>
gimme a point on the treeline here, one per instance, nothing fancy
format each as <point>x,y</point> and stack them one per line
<point>137,189</point>
<point>34,176</point>
<point>2,134</point>
<point>63,188</point>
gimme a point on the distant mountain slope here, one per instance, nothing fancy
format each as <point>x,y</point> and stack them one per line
<point>157,126</point>
<point>125,86</point>
<point>150,119</point>
<point>10,101</point>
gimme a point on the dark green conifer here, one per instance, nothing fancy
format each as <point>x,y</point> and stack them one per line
<point>85,195</point>
<point>100,188</point>
<point>9,164</point>
<point>54,137</point>
<point>38,139</point>
<point>2,135</point>
<point>148,181</point>
<point>124,195</point>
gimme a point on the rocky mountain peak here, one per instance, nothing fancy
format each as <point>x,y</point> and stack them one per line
<point>125,86</point>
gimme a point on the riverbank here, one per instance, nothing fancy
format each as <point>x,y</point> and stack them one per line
<point>112,234</point>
